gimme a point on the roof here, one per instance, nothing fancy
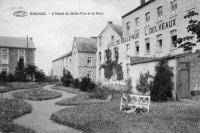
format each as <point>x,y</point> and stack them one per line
<point>86,45</point>
<point>117,28</point>
<point>16,42</point>
<point>138,8</point>
<point>63,56</point>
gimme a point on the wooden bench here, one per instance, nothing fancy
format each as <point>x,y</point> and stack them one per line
<point>131,103</point>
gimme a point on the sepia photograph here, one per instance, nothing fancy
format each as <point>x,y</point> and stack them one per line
<point>99,66</point>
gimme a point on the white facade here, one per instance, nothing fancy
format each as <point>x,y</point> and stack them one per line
<point>153,27</point>
<point>108,39</point>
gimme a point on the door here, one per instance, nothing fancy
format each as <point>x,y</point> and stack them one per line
<point>184,87</point>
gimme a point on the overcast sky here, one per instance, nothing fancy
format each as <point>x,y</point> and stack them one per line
<point>53,35</point>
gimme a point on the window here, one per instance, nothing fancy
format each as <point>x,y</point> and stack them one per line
<point>4,70</point>
<point>147,18</point>
<point>4,50</point>
<point>137,48</point>
<point>173,5</point>
<point>99,57</point>
<point>173,38</point>
<point>21,54</point>
<point>160,12</point>
<point>70,63</point>
<point>128,26</point>
<point>89,61</point>
<point>159,43</point>
<point>137,22</point>
<point>4,58</point>
<point>147,43</point>
<point>112,38</point>
<point>89,74</point>
<point>127,47</point>
<point>99,73</point>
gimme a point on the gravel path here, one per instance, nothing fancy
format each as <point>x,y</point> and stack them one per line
<point>39,119</point>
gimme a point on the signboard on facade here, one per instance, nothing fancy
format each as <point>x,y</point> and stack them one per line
<point>161,26</point>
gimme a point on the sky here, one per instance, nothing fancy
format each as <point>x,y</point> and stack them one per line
<point>53,34</point>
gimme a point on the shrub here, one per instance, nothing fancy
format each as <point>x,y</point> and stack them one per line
<point>75,83</point>
<point>67,79</point>
<point>85,83</point>
<point>162,87</point>
<point>3,76</point>
<point>100,93</point>
<point>144,84</point>
<point>11,78</point>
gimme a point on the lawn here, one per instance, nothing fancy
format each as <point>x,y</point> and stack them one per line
<point>5,87</point>
<point>10,109</point>
<point>38,94</point>
<point>83,99</point>
<point>169,117</point>
<point>67,89</point>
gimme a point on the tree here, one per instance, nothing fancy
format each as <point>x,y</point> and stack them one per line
<point>161,89</point>
<point>118,67</point>
<point>19,71</point>
<point>67,78</point>
<point>30,71</point>
<point>39,76</point>
<point>108,65</point>
<point>193,28</point>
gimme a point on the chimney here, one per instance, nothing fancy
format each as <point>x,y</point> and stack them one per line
<point>109,22</point>
<point>142,2</point>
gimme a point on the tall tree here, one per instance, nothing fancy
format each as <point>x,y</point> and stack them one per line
<point>20,71</point>
<point>162,87</point>
<point>193,27</point>
<point>108,65</point>
<point>30,71</point>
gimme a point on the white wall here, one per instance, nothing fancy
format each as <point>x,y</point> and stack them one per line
<point>58,68</point>
<point>136,70</point>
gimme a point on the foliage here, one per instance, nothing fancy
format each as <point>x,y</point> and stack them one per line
<point>108,65</point>
<point>66,79</point>
<point>39,76</point>
<point>193,28</point>
<point>3,76</point>
<point>86,84</point>
<point>20,74</point>
<point>100,93</point>
<point>129,85</point>
<point>162,87</point>
<point>30,71</point>
<point>144,84</point>
<point>76,83</point>
<point>11,78</point>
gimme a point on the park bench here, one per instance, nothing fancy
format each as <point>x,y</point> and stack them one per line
<point>131,103</point>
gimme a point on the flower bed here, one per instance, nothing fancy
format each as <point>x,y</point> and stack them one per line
<point>37,94</point>
<point>10,109</point>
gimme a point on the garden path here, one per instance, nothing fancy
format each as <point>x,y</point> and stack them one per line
<point>39,119</point>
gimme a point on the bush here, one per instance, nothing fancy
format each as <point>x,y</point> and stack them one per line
<point>75,83</point>
<point>100,93</point>
<point>144,84</point>
<point>3,76</point>
<point>67,79</point>
<point>162,87</point>
<point>85,83</point>
<point>11,78</point>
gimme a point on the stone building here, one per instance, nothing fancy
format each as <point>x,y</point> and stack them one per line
<point>14,48</point>
<point>107,39</point>
<point>60,64</point>
<point>81,61</point>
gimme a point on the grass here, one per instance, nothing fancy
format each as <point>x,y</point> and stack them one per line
<point>10,109</point>
<point>83,99</point>
<point>67,89</point>
<point>169,117</point>
<point>5,87</point>
<point>37,94</point>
